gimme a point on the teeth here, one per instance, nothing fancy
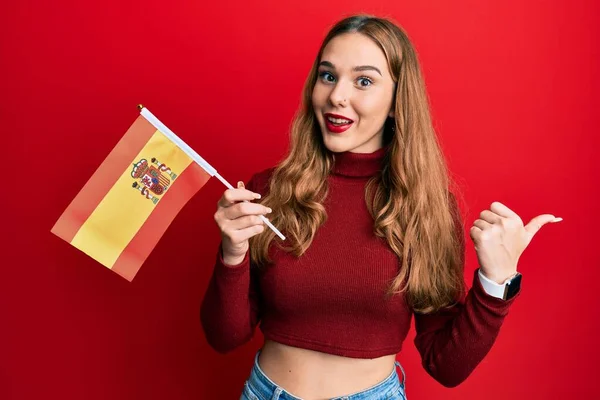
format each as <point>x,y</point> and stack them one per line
<point>339,120</point>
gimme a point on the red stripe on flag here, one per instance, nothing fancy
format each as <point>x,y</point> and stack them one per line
<point>136,252</point>
<point>111,169</point>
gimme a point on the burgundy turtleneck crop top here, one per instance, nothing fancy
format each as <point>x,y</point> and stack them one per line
<point>332,298</point>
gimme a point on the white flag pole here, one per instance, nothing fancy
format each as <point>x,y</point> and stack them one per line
<point>195,156</point>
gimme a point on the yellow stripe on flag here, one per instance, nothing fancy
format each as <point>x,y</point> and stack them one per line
<point>123,211</point>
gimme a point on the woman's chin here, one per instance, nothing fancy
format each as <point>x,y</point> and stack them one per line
<point>336,145</point>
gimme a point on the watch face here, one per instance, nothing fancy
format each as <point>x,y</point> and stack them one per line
<point>512,287</point>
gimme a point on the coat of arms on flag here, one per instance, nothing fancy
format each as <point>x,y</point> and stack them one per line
<point>152,180</point>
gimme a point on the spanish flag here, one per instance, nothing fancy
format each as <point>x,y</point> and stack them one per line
<point>128,203</point>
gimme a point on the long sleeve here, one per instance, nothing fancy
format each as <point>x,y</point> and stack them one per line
<point>230,309</point>
<point>454,341</point>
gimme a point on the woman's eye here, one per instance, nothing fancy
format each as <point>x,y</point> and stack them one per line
<point>327,77</point>
<point>364,82</point>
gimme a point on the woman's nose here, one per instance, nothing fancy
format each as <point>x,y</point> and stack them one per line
<point>339,95</point>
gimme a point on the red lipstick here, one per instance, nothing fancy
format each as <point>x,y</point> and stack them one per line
<point>338,126</point>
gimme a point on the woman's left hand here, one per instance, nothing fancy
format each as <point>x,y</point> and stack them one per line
<point>500,238</point>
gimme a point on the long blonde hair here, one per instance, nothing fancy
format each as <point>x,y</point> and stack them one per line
<point>410,201</point>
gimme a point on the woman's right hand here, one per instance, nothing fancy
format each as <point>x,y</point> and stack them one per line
<point>238,219</point>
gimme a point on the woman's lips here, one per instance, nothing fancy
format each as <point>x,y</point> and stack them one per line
<point>337,127</point>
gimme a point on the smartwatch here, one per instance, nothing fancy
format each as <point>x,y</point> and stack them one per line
<point>512,286</point>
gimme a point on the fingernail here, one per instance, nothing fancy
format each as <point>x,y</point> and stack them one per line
<point>240,184</point>
<point>269,210</point>
<point>557,219</point>
<point>257,196</point>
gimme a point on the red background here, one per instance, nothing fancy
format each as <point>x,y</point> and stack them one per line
<point>514,89</point>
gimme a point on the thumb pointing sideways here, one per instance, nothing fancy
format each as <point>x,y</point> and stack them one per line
<point>536,223</point>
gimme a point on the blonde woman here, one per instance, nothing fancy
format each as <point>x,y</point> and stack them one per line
<point>374,237</point>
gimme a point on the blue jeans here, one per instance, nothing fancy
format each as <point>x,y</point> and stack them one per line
<point>260,387</point>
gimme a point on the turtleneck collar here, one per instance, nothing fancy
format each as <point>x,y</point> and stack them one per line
<point>358,165</point>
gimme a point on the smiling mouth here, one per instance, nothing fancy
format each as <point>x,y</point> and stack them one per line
<point>339,121</point>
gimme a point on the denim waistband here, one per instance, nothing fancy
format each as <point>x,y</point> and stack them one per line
<point>265,389</point>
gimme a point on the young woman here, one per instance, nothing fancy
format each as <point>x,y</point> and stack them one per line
<point>374,236</point>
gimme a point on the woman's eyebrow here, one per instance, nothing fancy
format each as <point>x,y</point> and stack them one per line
<point>359,68</point>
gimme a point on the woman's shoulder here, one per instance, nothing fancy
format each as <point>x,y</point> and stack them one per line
<point>259,182</point>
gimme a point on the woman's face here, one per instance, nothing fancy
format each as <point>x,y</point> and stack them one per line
<point>353,94</point>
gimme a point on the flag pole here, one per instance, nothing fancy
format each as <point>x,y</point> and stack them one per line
<point>195,156</point>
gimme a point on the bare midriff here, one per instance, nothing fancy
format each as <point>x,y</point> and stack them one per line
<point>313,375</point>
